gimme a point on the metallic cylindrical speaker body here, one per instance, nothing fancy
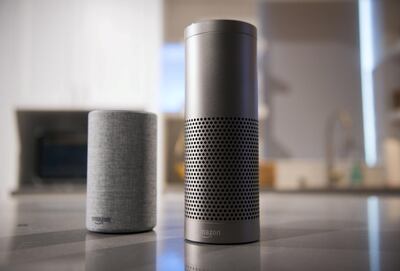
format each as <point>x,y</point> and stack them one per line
<point>121,176</point>
<point>221,133</point>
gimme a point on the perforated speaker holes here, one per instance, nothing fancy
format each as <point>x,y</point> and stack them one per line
<point>221,169</point>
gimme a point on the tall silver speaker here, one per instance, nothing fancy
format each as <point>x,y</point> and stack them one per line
<point>221,133</point>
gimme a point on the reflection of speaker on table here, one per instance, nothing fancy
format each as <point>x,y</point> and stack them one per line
<point>102,253</point>
<point>221,258</point>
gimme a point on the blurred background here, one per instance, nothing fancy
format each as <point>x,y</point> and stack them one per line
<point>329,87</point>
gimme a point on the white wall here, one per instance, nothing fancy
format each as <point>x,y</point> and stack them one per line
<point>81,54</point>
<point>311,69</point>
<point>181,13</point>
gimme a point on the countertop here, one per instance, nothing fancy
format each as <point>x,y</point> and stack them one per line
<point>298,232</point>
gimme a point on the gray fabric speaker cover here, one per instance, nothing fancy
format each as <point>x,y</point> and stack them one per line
<point>121,176</point>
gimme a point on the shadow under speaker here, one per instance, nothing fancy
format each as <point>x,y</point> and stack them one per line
<point>221,133</point>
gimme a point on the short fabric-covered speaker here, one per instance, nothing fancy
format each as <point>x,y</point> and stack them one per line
<point>221,133</point>
<point>121,177</point>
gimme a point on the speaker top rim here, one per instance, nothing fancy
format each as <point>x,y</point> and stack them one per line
<point>136,113</point>
<point>224,26</point>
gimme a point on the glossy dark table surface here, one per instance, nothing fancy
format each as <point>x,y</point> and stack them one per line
<point>298,232</point>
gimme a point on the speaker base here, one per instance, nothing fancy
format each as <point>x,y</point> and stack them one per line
<point>222,232</point>
<point>117,231</point>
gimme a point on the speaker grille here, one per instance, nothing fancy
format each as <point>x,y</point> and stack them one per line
<point>221,169</point>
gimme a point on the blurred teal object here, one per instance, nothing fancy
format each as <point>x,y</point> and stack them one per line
<point>356,176</point>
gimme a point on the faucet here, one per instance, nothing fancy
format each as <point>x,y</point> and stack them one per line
<point>344,120</point>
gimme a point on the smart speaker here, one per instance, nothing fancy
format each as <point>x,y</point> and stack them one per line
<point>221,133</point>
<point>121,176</point>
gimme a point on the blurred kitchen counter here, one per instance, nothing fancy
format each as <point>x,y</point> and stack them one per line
<point>179,188</point>
<point>299,231</point>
